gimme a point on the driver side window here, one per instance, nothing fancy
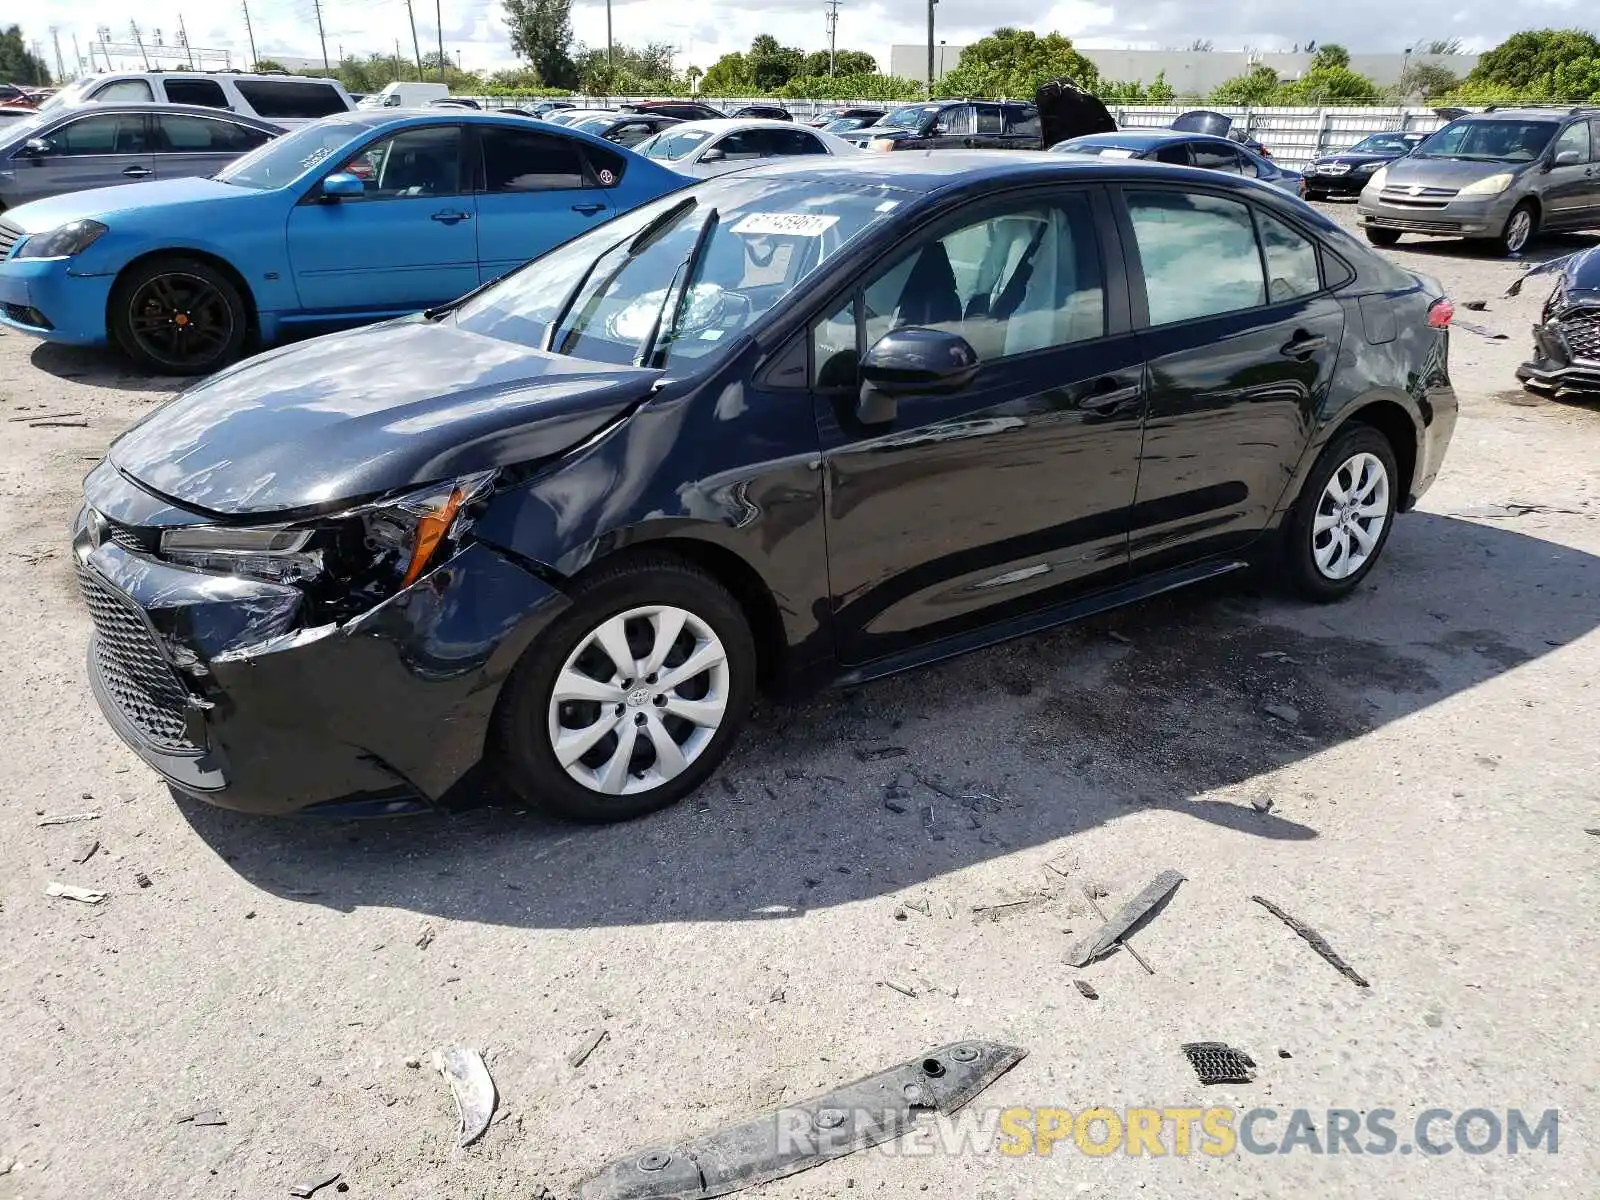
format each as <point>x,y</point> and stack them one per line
<point>417,162</point>
<point>1575,139</point>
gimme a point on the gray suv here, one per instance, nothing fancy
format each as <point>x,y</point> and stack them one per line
<point>1498,176</point>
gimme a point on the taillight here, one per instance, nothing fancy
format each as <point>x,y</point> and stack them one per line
<point>1441,312</point>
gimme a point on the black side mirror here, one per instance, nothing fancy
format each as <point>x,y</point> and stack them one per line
<point>911,362</point>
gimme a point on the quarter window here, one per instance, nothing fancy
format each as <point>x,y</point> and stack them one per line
<point>418,162</point>
<point>274,98</point>
<point>1198,253</point>
<point>833,349</point>
<point>793,141</point>
<point>1020,280</point>
<point>205,92</point>
<point>1291,260</point>
<point>515,160</point>
<point>125,90</point>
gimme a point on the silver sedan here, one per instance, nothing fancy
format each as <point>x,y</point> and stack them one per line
<point>706,148</point>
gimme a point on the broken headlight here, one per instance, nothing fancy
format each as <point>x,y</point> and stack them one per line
<point>275,554</point>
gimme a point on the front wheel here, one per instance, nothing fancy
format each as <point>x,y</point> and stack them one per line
<point>1342,519</point>
<point>631,699</point>
<point>1379,236</point>
<point>1521,225</point>
<point>179,316</point>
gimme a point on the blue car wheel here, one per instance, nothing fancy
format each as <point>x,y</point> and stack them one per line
<point>179,316</point>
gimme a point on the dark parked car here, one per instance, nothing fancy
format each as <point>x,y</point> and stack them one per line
<point>833,120</point>
<point>1217,124</point>
<point>820,421</point>
<point>624,128</point>
<point>1347,172</point>
<point>684,110</point>
<point>763,112</point>
<point>1566,342</point>
<point>955,125</point>
<point>1186,150</point>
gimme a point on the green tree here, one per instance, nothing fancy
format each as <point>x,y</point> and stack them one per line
<point>772,65</point>
<point>17,64</point>
<point>1425,79</point>
<point>1134,92</point>
<point>1441,46</point>
<point>851,87</point>
<point>1012,63</point>
<point>729,76</point>
<point>541,34</point>
<point>1537,64</point>
<point>1258,87</point>
<point>1329,56</point>
<point>845,62</point>
<point>266,66</point>
<point>628,70</point>
<point>1327,85</point>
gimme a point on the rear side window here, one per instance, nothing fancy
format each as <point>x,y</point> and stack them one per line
<point>1022,121</point>
<point>290,98</point>
<point>205,92</point>
<point>1215,158</point>
<point>1291,260</point>
<point>516,160</point>
<point>989,119</point>
<point>125,90</point>
<point>1198,253</point>
<point>197,135</point>
<point>958,120</point>
<point>607,165</point>
<point>793,141</point>
<point>1177,154</point>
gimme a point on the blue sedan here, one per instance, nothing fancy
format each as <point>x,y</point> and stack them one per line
<point>352,219</point>
<point>1186,150</point>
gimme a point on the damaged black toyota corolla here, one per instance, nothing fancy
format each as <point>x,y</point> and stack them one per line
<point>821,421</point>
<point>1566,341</point>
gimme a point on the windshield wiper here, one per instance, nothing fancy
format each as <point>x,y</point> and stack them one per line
<point>687,270</point>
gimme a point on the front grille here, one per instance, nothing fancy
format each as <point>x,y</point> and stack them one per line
<point>130,665</point>
<point>23,315</point>
<point>129,539</point>
<point>10,235</point>
<point>1582,332</point>
<point>1428,197</point>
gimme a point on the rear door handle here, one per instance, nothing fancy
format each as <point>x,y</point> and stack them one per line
<point>447,217</point>
<point>588,210</point>
<point>1107,397</point>
<point>137,172</point>
<point>1303,345</point>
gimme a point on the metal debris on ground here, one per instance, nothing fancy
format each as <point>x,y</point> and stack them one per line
<point>68,891</point>
<point>928,824</point>
<point>209,1116</point>
<point>1475,305</point>
<point>30,417</point>
<point>590,1043</point>
<point>70,818</point>
<point>879,753</point>
<point>1262,804</point>
<point>1128,946</point>
<point>1128,916</point>
<point>1086,989</point>
<point>85,849</point>
<point>1483,331</point>
<point>903,989</point>
<point>1010,908</point>
<point>1318,942</point>
<point>314,1181</point>
<point>472,1089</point>
<point>58,425</point>
<point>1119,638</point>
<point>920,905</point>
<point>775,1145</point>
<point>1218,1062</point>
<point>141,879</point>
<point>425,938</point>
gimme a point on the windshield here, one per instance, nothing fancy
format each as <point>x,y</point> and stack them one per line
<point>71,94</point>
<point>1489,141</point>
<point>1383,143</point>
<point>710,264</point>
<point>845,124</point>
<point>594,124</point>
<point>1097,149</point>
<point>909,118</point>
<point>291,156</point>
<point>672,145</point>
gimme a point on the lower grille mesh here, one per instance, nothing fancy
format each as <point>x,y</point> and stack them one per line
<point>130,665</point>
<point>1583,334</point>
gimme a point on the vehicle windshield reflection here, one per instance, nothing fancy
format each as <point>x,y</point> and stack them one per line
<point>291,156</point>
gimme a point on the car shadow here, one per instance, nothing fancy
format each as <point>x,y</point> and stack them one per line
<point>100,367</point>
<point>1545,248</point>
<point>1156,707</point>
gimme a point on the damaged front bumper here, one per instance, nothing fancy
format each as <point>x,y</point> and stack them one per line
<point>1566,349</point>
<point>217,683</point>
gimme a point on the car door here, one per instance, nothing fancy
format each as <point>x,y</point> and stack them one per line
<point>1240,339</point>
<point>1569,187</point>
<point>1022,128</point>
<point>1011,494</point>
<point>90,151</point>
<point>406,243</point>
<point>990,127</point>
<point>186,146</point>
<point>537,191</point>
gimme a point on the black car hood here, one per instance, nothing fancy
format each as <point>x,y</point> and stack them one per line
<point>1356,160</point>
<point>1203,120</point>
<point>356,414</point>
<point>1068,111</point>
<point>1582,272</point>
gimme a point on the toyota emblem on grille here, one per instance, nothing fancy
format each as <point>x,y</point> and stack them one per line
<point>1415,190</point>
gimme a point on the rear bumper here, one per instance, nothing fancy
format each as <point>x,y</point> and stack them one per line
<point>73,307</point>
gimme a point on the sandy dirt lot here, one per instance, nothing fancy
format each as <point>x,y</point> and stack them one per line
<point>1433,811</point>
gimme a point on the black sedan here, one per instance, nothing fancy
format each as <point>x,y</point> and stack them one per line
<point>624,128</point>
<point>815,422</point>
<point>843,120</point>
<point>1566,342</point>
<point>1347,172</point>
<point>763,112</point>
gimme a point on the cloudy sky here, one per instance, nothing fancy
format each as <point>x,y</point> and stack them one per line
<point>705,30</point>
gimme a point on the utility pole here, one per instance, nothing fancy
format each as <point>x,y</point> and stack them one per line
<point>931,3</point>
<point>438,19</point>
<point>397,60</point>
<point>415,45</point>
<point>77,57</point>
<point>61,67</point>
<point>611,58</point>
<point>251,34</point>
<point>316,6</point>
<point>139,41</point>
<point>833,32</point>
<point>183,40</point>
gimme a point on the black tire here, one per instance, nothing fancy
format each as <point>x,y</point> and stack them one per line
<point>522,744</point>
<point>179,316</point>
<point>1512,241</point>
<point>1379,236</point>
<point>1297,555</point>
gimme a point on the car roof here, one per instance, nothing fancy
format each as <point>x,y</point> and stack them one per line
<point>1517,114</point>
<point>725,124</point>
<point>935,169</point>
<point>1138,139</point>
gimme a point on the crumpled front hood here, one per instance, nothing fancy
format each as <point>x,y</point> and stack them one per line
<point>352,415</point>
<point>1445,172</point>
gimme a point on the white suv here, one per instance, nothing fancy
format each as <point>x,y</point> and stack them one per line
<point>282,99</point>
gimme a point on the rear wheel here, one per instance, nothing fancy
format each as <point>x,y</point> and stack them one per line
<point>1521,225</point>
<point>1379,236</point>
<point>1342,519</point>
<point>179,316</point>
<point>631,699</point>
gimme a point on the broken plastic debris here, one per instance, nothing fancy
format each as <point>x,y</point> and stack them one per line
<point>799,1136</point>
<point>425,938</point>
<point>1128,916</point>
<point>283,641</point>
<point>70,891</point>
<point>471,1088</point>
<point>1086,989</point>
<point>590,1043</point>
<point>315,1181</point>
<point>70,818</point>
<point>1317,941</point>
<point>209,1116</point>
<point>1218,1062</point>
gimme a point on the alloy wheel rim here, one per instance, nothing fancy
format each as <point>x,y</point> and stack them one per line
<point>180,319</point>
<point>1521,228</point>
<point>1350,517</point>
<point>638,700</point>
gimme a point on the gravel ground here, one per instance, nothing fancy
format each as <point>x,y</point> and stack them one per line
<point>1428,813</point>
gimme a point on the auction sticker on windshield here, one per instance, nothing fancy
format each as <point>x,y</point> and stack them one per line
<point>793,224</point>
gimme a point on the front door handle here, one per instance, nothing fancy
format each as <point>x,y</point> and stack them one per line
<point>449,217</point>
<point>1303,345</point>
<point>1107,397</point>
<point>588,210</point>
<point>137,172</point>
